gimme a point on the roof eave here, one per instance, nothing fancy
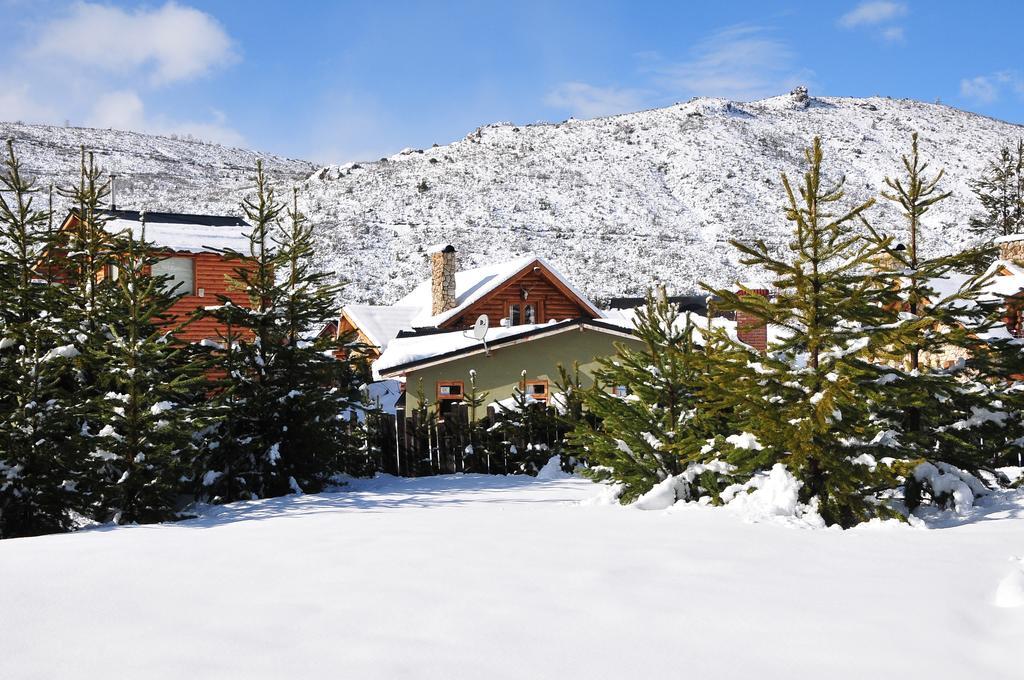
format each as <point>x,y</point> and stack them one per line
<point>533,334</point>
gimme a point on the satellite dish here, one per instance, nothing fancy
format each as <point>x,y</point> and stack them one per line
<point>480,327</point>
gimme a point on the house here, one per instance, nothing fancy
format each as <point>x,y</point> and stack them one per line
<point>524,290</point>
<point>527,357</point>
<point>1007,280</point>
<point>537,321</point>
<point>189,248</point>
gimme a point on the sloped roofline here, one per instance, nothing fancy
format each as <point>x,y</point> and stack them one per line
<point>425,320</point>
<point>543,331</point>
<point>184,220</point>
<point>354,315</point>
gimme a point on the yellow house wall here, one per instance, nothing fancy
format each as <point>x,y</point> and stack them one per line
<point>501,372</point>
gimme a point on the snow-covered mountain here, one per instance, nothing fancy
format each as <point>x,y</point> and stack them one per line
<point>153,172</point>
<point>616,203</point>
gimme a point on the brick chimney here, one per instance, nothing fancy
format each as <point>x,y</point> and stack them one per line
<point>750,329</point>
<point>1011,248</point>
<point>442,279</point>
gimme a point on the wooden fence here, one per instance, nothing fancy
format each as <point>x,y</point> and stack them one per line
<point>425,445</point>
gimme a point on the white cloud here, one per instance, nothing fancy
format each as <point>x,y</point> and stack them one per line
<point>167,44</point>
<point>589,101</point>
<point>872,13</point>
<point>95,64</point>
<point>125,110</point>
<point>122,110</point>
<point>892,34</point>
<point>980,88</point>
<point>740,62</point>
<point>18,103</point>
<point>990,88</point>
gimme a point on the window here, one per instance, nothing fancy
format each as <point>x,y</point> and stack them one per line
<point>180,274</point>
<point>537,390</point>
<point>520,313</point>
<point>449,395</point>
<point>450,390</point>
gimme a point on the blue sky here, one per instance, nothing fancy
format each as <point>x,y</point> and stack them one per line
<point>335,81</point>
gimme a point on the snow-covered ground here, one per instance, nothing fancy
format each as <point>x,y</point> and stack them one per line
<point>512,577</point>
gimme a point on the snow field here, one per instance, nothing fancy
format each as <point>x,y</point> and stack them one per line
<point>512,577</point>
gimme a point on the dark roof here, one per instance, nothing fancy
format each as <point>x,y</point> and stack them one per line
<point>179,218</point>
<point>685,303</point>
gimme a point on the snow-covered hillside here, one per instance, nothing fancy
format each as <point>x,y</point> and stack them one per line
<point>617,203</point>
<point>623,202</point>
<point>512,577</point>
<point>153,172</point>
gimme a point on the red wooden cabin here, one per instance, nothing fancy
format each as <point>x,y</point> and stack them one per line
<point>188,245</point>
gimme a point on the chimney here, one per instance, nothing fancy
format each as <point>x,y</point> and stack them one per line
<point>1011,248</point>
<point>750,329</point>
<point>442,279</point>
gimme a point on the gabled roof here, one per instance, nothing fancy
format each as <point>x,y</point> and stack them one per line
<point>420,350</point>
<point>471,285</point>
<point>181,232</point>
<point>1007,278</point>
<point>380,323</point>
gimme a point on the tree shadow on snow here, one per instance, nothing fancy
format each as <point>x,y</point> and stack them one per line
<point>995,507</point>
<point>386,493</point>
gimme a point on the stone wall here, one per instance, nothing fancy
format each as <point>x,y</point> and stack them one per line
<point>1012,251</point>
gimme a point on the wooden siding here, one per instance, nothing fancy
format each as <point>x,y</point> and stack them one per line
<point>551,298</point>
<point>345,327</point>
<point>213,277</point>
<point>212,274</point>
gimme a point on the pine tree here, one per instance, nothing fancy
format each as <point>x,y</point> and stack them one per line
<point>949,359</point>
<point>568,402</point>
<point>468,430</point>
<point>84,257</point>
<point>286,409</point>
<point>39,473</point>
<point>526,428</point>
<point>322,391</point>
<point>1000,190</point>
<point>145,410</point>
<point>644,403</point>
<point>807,402</point>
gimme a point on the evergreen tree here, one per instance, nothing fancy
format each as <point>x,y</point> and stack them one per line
<point>83,257</point>
<point>1000,190</point>
<point>568,402</point>
<point>39,473</point>
<point>468,430</point>
<point>148,390</point>
<point>645,403</point>
<point>526,428</point>
<point>807,403</point>
<point>950,356</point>
<point>287,402</point>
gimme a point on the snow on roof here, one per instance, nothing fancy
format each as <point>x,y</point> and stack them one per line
<point>1009,238</point>
<point>418,347</point>
<point>182,232</point>
<point>626,318</point>
<point>414,348</point>
<point>380,323</point>
<point>473,284</point>
<point>949,283</point>
<point>1006,284</point>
